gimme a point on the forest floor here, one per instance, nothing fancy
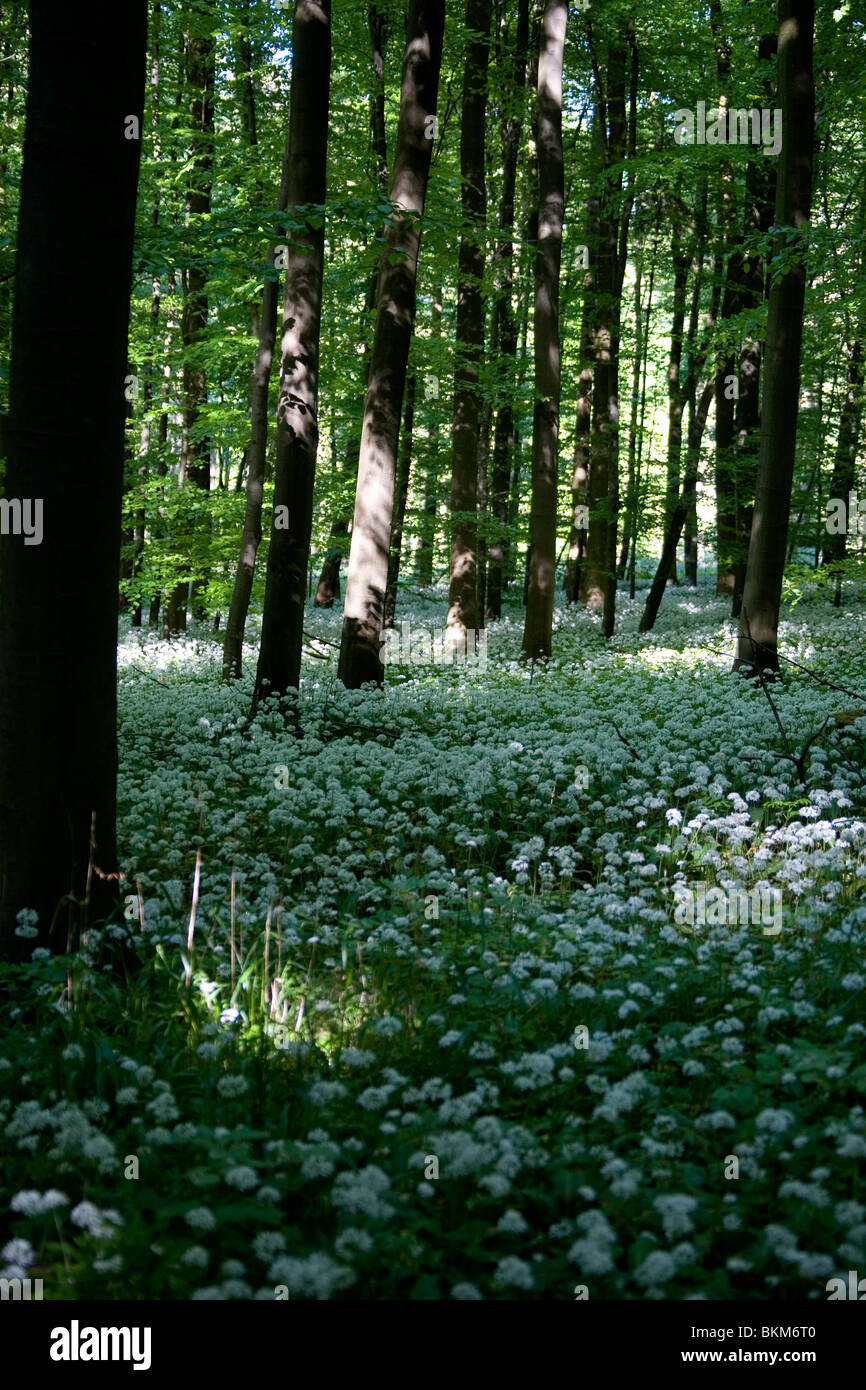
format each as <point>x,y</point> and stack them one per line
<point>430,1021</point>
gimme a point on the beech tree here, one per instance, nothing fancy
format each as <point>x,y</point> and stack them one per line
<point>195,456</point>
<point>367,576</point>
<point>757,645</point>
<point>503,329</point>
<point>58,690</point>
<point>279,666</point>
<point>463,598</point>
<point>545,420</point>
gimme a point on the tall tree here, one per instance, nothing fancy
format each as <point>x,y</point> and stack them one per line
<point>757,646</point>
<point>195,456</point>
<point>257,450</point>
<point>845,461</point>
<point>366,581</point>
<point>616,137</point>
<point>503,319</point>
<point>538,625</point>
<point>58,697</point>
<point>329,580</point>
<point>469,345</point>
<point>404,464</point>
<point>279,666</point>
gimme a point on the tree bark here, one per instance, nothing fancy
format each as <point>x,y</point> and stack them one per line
<point>681,262</point>
<point>503,317</point>
<point>256,456</point>
<point>404,465</point>
<point>463,592</point>
<point>598,576</point>
<point>328,587</point>
<point>195,458</point>
<point>359,660</point>
<point>685,502</point>
<point>427,543</point>
<point>538,626</point>
<point>845,461</point>
<point>279,665</point>
<point>757,647</point>
<point>58,697</point>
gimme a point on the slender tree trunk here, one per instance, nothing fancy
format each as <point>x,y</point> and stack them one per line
<point>404,465</point>
<point>538,627</point>
<point>279,665</point>
<point>505,318</point>
<point>483,504</point>
<point>58,697</point>
<point>427,543</point>
<point>598,576</point>
<point>641,418</point>
<point>264,323</point>
<point>682,263</point>
<point>360,661</point>
<point>583,419</point>
<point>256,456</point>
<point>757,647</point>
<point>685,501</point>
<point>195,459</point>
<point>845,461</point>
<point>328,587</point>
<point>749,271</point>
<point>690,527</point>
<point>629,529</point>
<point>463,594</point>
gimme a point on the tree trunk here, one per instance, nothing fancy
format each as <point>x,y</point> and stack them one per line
<point>195,458</point>
<point>256,456</point>
<point>328,587</point>
<point>360,661</point>
<point>757,647</point>
<point>846,458</point>
<point>279,665</point>
<point>685,502</point>
<point>682,263</point>
<point>463,593</point>
<point>583,421</point>
<point>749,271</point>
<point>427,544</point>
<point>545,420</point>
<point>598,576</point>
<point>403,469</point>
<point>505,319</point>
<point>58,697</point>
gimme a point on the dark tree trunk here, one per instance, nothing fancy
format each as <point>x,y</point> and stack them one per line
<point>846,458</point>
<point>427,544</point>
<point>360,661</point>
<point>582,422</point>
<point>504,319</point>
<point>757,647</point>
<point>279,665</point>
<point>598,576</point>
<point>58,697</point>
<point>404,465</point>
<point>328,587</point>
<point>545,421</point>
<point>685,502</point>
<point>256,456</point>
<point>463,592</point>
<point>749,271</point>
<point>629,530</point>
<point>682,263</point>
<point>690,526</point>
<point>195,459</point>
